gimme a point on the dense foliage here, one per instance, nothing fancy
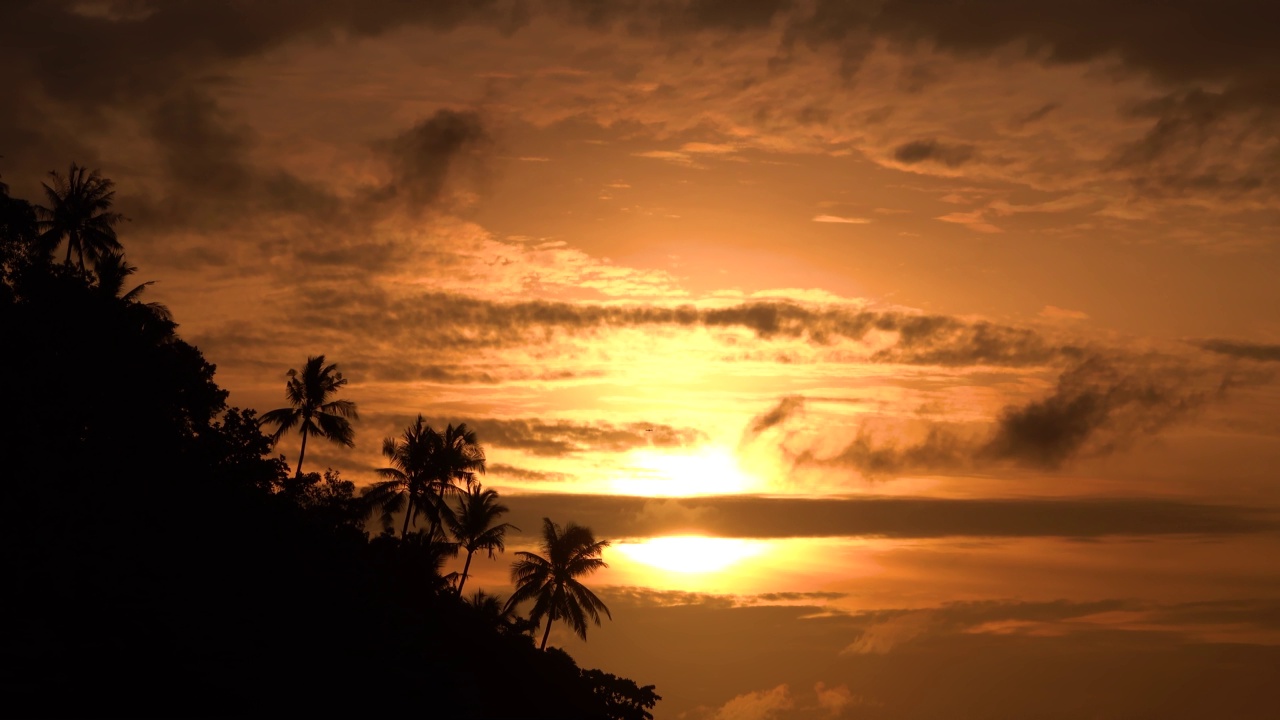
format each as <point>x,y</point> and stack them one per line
<point>159,560</point>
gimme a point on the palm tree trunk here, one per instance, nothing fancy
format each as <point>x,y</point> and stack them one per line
<point>435,520</point>
<point>463,581</point>
<point>408,513</point>
<point>71,240</point>
<point>546,632</point>
<point>303,453</point>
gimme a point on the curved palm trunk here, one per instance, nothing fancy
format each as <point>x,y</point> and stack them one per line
<point>551,618</point>
<point>408,513</point>
<point>463,581</point>
<point>435,519</point>
<point>303,453</point>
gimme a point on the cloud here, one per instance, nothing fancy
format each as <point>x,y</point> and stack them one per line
<point>1241,349</point>
<point>930,150</point>
<point>462,321</point>
<point>840,219</point>
<point>759,705</point>
<point>786,408</point>
<point>833,700</point>
<point>893,517</point>
<point>160,64</point>
<point>1119,649</point>
<point>1097,407</point>
<point>1038,114</point>
<point>975,221</point>
<point>884,636</point>
<point>564,437</point>
<point>502,470</point>
<point>1054,312</point>
<point>420,157</point>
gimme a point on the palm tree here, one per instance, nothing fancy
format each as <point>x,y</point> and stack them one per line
<point>313,410</point>
<point>79,210</point>
<point>112,270</point>
<point>551,581</point>
<point>492,610</point>
<point>406,480</point>
<point>455,455</point>
<point>472,525</point>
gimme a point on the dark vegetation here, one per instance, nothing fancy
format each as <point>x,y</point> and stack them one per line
<point>161,559</point>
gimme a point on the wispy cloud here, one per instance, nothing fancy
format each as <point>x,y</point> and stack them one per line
<point>841,219</point>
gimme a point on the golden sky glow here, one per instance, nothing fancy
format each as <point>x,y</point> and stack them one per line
<point>873,335</point>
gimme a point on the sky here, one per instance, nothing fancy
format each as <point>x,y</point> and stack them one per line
<point>917,357</point>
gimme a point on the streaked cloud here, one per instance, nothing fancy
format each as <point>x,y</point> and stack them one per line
<point>841,219</point>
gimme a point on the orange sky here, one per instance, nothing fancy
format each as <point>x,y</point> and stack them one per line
<point>963,315</point>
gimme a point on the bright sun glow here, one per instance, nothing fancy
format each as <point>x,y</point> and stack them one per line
<point>709,471</point>
<point>690,553</point>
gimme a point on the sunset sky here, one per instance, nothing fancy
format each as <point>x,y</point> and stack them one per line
<point>918,357</point>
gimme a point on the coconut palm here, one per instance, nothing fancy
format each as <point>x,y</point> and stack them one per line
<point>80,211</point>
<point>406,481</point>
<point>455,456</point>
<point>112,270</point>
<point>472,525</point>
<point>551,581</point>
<point>313,411</point>
<point>492,610</point>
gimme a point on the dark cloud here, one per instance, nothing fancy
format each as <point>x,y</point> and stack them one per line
<point>672,17</point>
<point>147,49</point>
<point>786,408</point>
<point>557,437</point>
<point>461,321</point>
<point>1175,41</point>
<point>564,437</point>
<point>940,340</point>
<point>502,470</point>
<point>893,517</point>
<point>1097,407</point>
<point>1038,114</point>
<point>422,156</point>
<point>72,68</point>
<point>930,150</point>
<point>1242,349</point>
<point>795,596</point>
<point>1203,143</point>
<point>202,152</point>
<point>940,450</point>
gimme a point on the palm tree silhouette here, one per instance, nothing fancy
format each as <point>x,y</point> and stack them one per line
<point>407,479</point>
<point>455,455</point>
<point>313,411</point>
<point>79,210</point>
<point>472,525</point>
<point>551,581</point>
<point>501,618</point>
<point>112,270</point>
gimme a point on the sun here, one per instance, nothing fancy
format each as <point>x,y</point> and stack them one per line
<point>711,470</point>
<point>690,553</point>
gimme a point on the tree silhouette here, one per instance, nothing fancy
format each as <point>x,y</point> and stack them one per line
<point>551,581</point>
<point>455,455</point>
<point>19,246</point>
<point>472,525</point>
<point>80,210</point>
<point>496,615</point>
<point>112,270</point>
<point>313,410</point>
<point>407,479</point>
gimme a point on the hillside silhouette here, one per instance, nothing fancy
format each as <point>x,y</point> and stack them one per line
<point>162,559</point>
